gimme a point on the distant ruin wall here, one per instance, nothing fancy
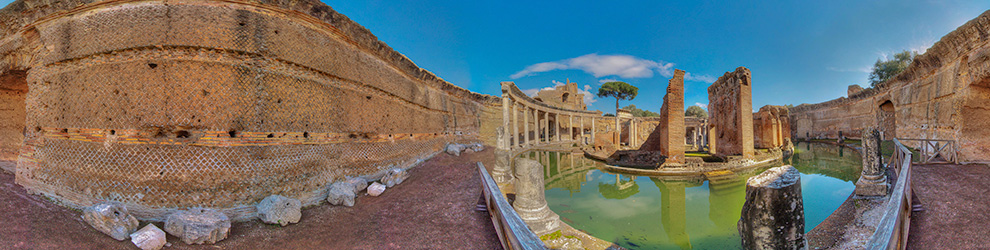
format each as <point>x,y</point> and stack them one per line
<point>944,94</point>
<point>730,107</point>
<point>217,103</point>
<point>771,126</point>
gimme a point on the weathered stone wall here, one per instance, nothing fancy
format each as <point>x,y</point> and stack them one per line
<point>770,127</point>
<point>217,104</point>
<point>566,96</point>
<point>668,137</point>
<point>730,109</point>
<point>944,94</point>
<point>13,89</point>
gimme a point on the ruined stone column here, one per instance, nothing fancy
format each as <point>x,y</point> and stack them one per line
<point>546,129</point>
<point>873,180</point>
<point>556,126</point>
<point>581,134</point>
<point>773,215</point>
<point>593,130</point>
<point>505,120</point>
<point>525,126</point>
<point>531,204</point>
<point>536,127</point>
<point>570,127</point>
<point>515,125</point>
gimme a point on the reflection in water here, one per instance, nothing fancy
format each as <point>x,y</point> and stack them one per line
<point>693,213</point>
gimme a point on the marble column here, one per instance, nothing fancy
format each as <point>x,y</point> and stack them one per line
<point>873,180</point>
<point>525,126</point>
<point>531,203</point>
<point>581,134</point>
<point>546,127</point>
<point>556,126</point>
<point>505,122</point>
<point>515,124</point>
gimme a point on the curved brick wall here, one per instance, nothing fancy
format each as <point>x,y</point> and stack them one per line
<point>944,94</point>
<point>172,104</point>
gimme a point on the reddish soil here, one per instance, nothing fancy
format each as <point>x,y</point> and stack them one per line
<point>956,207</point>
<point>433,209</point>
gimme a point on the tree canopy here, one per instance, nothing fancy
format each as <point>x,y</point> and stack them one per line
<point>696,111</point>
<point>883,70</point>
<point>618,90</point>
<point>636,112</point>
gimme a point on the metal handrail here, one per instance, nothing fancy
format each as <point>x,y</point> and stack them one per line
<point>512,231</point>
<point>892,232</point>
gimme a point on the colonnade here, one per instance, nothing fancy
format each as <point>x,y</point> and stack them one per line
<point>541,124</point>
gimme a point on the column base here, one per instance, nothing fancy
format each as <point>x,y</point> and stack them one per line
<point>871,185</point>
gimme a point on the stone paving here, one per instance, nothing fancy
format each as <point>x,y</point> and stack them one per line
<point>957,207</point>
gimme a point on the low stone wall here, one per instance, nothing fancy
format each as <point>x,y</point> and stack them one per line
<point>216,103</point>
<point>944,94</point>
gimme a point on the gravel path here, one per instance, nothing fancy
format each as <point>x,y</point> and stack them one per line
<point>956,199</point>
<point>433,209</point>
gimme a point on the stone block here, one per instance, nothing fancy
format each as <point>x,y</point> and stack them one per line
<point>455,149</point>
<point>149,238</point>
<point>394,177</point>
<point>342,193</point>
<point>277,209</point>
<point>111,218</point>
<point>198,225</point>
<point>376,189</point>
<point>531,202</point>
<point>359,183</point>
<point>773,214</point>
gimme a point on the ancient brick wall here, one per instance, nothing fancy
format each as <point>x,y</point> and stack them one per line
<point>942,95</point>
<point>668,137</point>
<point>771,126</point>
<point>218,104</point>
<point>13,89</point>
<point>730,111</point>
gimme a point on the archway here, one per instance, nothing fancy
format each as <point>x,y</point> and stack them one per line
<point>13,90</point>
<point>888,120</point>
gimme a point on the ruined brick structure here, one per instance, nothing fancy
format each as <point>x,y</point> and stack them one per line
<point>944,94</point>
<point>566,97</point>
<point>668,138</point>
<point>771,126</point>
<point>166,105</point>
<point>730,113</point>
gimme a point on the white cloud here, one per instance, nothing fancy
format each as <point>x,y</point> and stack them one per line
<point>701,78</point>
<point>588,97</point>
<point>702,105</point>
<point>603,81</point>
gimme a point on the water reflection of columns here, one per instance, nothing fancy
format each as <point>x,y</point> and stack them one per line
<point>673,211</point>
<point>531,203</point>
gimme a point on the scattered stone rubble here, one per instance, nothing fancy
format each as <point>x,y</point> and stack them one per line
<point>394,177</point>
<point>111,218</point>
<point>359,183</point>
<point>342,193</point>
<point>198,225</point>
<point>149,238</point>
<point>277,209</point>
<point>455,149</point>
<point>376,189</point>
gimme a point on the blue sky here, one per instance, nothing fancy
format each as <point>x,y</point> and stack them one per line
<point>798,51</point>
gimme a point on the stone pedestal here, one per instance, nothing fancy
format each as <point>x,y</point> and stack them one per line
<point>773,215</point>
<point>530,203</point>
<point>502,170</point>
<point>873,180</point>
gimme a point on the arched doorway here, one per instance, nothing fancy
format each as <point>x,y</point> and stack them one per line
<point>13,90</point>
<point>888,120</point>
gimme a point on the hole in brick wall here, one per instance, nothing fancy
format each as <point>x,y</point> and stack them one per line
<point>276,32</point>
<point>368,97</point>
<point>306,134</point>
<point>65,130</point>
<point>159,134</point>
<point>37,129</point>
<point>116,92</point>
<point>271,135</point>
<point>181,134</point>
<point>232,133</point>
<point>152,65</point>
<point>241,24</point>
<point>206,93</point>
<point>113,132</point>
<point>352,136</point>
<point>279,100</point>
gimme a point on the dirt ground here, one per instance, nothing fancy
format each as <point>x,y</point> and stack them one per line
<point>433,209</point>
<point>957,208</point>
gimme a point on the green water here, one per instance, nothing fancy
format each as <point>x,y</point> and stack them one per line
<point>639,212</point>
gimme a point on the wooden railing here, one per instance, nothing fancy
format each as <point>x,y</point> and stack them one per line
<point>892,232</point>
<point>512,230</point>
<point>930,149</point>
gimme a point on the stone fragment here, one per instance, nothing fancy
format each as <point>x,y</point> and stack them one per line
<point>341,193</point>
<point>111,218</point>
<point>376,189</point>
<point>564,243</point>
<point>531,202</point>
<point>277,209</point>
<point>198,225</point>
<point>455,149</point>
<point>475,147</point>
<point>394,177</point>
<point>149,238</point>
<point>873,180</point>
<point>359,183</point>
<point>773,215</point>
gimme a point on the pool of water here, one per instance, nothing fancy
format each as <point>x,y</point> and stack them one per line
<point>640,212</point>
